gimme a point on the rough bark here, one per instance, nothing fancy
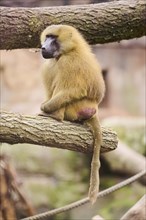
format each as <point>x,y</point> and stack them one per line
<point>15,128</point>
<point>99,23</point>
<point>137,212</point>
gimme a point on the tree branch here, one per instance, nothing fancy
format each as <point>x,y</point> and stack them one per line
<point>132,161</point>
<point>15,128</point>
<point>137,212</point>
<point>99,23</point>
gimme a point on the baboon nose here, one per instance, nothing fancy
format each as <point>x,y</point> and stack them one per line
<point>47,54</point>
<point>43,48</point>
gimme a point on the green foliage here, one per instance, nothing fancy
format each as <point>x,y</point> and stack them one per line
<point>131,131</point>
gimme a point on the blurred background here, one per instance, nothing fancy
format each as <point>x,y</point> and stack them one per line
<point>51,178</point>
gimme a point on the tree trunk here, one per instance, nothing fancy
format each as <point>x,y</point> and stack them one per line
<point>99,23</point>
<point>45,131</point>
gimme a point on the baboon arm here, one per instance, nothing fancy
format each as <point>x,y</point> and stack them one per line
<point>61,100</point>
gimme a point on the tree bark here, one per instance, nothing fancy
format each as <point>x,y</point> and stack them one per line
<point>15,128</point>
<point>137,212</point>
<point>99,23</point>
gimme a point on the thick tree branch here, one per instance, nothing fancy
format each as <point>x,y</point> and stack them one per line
<point>99,23</point>
<point>15,128</point>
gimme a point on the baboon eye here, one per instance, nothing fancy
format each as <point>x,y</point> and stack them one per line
<point>51,36</point>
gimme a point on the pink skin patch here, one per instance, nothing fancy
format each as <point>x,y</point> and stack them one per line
<point>86,113</point>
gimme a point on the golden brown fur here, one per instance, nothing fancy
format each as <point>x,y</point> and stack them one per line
<point>74,87</point>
